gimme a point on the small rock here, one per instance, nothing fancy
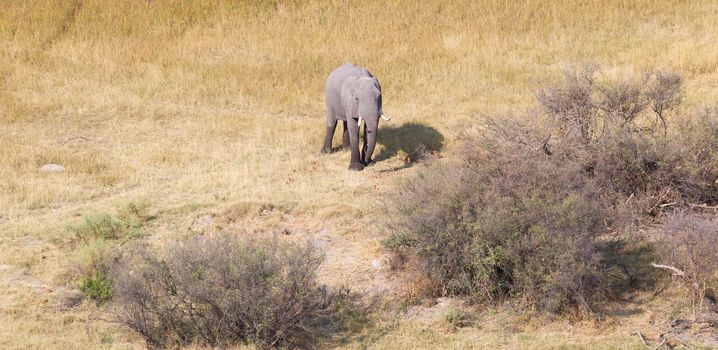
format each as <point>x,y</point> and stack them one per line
<point>376,263</point>
<point>52,168</point>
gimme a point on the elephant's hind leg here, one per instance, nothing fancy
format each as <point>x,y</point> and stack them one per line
<point>331,125</point>
<point>327,148</point>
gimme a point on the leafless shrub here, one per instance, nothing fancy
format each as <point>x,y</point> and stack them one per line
<point>581,103</point>
<point>697,144</point>
<point>572,102</point>
<point>220,291</point>
<point>664,93</point>
<point>619,141</point>
<point>689,250</point>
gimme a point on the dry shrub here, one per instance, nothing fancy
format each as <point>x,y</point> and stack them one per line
<point>505,224</point>
<point>618,132</point>
<point>689,244</point>
<point>538,209</point>
<point>220,291</point>
<point>584,106</point>
<point>698,148</point>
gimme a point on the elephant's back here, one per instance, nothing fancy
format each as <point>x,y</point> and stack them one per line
<point>333,85</point>
<point>337,77</point>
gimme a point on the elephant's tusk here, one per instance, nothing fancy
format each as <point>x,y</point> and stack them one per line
<point>385,118</point>
<point>359,122</point>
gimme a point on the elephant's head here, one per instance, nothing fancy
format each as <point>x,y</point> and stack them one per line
<point>366,106</point>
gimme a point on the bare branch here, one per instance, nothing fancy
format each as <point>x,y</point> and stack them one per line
<point>640,336</point>
<point>703,206</point>
<point>675,270</point>
<point>80,138</point>
<point>686,344</point>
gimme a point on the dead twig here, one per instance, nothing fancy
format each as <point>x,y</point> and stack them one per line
<point>663,341</point>
<point>662,288</point>
<point>81,138</point>
<point>686,344</point>
<point>703,206</point>
<point>629,198</point>
<point>676,271</point>
<point>544,146</point>
<point>661,197</point>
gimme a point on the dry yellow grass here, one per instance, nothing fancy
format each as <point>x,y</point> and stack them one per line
<point>200,105</point>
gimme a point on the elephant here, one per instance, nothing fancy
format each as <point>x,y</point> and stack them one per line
<point>353,95</point>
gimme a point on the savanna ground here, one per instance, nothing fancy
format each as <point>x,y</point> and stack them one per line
<point>212,112</point>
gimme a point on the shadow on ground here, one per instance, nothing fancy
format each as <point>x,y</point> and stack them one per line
<point>346,320</point>
<point>412,140</point>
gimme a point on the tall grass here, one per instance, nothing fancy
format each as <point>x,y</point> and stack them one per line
<point>135,77</point>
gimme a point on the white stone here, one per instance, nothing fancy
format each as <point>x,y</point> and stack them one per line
<point>52,168</point>
<point>376,263</point>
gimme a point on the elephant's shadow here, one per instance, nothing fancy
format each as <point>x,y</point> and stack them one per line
<point>413,140</point>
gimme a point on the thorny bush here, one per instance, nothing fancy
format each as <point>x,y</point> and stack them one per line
<point>220,291</point>
<point>538,209</point>
<point>688,248</point>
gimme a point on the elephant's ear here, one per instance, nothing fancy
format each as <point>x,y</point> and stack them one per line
<point>350,101</point>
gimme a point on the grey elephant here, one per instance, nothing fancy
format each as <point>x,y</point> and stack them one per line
<point>353,95</point>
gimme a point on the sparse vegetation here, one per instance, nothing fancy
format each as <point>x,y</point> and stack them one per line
<point>133,217</point>
<point>97,286</point>
<point>97,240</point>
<point>98,226</point>
<point>455,318</point>
<point>221,291</point>
<point>93,258</point>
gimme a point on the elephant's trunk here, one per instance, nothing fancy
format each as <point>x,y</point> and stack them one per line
<point>371,128</point>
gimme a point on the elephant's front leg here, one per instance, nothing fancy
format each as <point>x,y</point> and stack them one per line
<point>345,138</point>
<point>362,155</point>
<point>355,163</point>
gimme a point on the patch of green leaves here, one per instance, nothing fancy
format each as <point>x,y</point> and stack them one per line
<point>97,286</point>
